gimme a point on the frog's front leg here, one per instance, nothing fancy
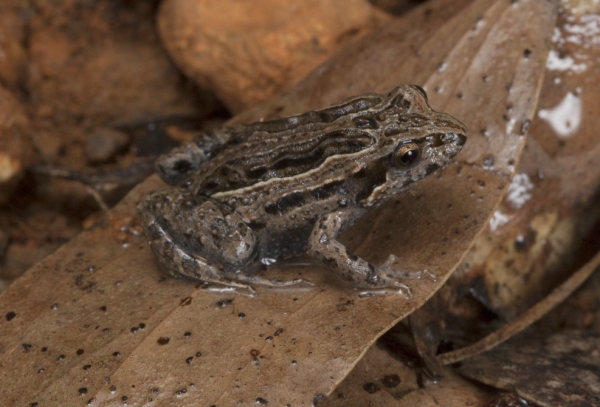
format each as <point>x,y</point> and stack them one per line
<point>329,252</point>
<point>203,239</point>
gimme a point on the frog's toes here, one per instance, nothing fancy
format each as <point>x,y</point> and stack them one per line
<point>275,283</point>
<point>300,282</point>
<point>395,288</point>
<point>388,269</point>
<point>228,286</point>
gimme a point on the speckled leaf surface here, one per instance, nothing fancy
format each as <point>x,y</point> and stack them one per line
<point>530,245</point>
<point>96,322</point>
<point>380,380</point>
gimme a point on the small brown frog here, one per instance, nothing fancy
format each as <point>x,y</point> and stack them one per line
<point>275,189</point>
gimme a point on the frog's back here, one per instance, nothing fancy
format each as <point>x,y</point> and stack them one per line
<point>286,148</point>
<point>299,161</point>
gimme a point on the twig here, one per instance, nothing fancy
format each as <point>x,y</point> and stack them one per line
<point>530,316</point>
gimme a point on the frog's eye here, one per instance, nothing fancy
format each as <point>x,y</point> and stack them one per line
<point>401,103</point>
<point>406,155</point>
<point>421,91</point>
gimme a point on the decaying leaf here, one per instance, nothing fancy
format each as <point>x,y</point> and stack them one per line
<point>556,370</point>
<point>531,242</point>
<point>96,321</point>
<point>558,295</point>
<point>379,380</point>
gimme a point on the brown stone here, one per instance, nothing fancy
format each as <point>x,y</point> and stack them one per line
<point>15,147</point>
<point>12,54</point>
<point>247,51</point>
<point>104,144</point>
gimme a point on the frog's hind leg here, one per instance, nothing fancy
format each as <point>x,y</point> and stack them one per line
<point>203,239</point>
<point>195,237</point>
<point>273,283</point>
<point>177,263</point>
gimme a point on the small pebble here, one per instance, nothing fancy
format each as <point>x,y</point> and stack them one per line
<point>104,144</point>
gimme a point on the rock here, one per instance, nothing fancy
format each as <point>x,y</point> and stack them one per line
<point>51,50</point>
<point>12,57</point>
<point>15,146</point>
<point>94,72</point>
<point>12,54</point>
<point>104,144</point>
<point>246,51</point>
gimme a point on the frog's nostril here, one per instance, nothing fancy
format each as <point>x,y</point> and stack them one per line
<point>453,138</point>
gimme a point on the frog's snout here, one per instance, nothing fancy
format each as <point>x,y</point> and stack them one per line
<point>455,134</point>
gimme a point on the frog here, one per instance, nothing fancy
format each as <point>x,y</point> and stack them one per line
<point>243,196</point>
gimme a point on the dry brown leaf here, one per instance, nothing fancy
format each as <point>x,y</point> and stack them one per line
<point>364,385</point>
<point>530,245</point>
<point>380,380</point>
<point>98,307</point>
<point>559,370</point>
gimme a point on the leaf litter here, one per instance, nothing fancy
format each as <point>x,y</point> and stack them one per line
<point>113,331</point>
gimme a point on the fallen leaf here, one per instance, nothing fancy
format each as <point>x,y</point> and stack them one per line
<point>96,322</point>
<point>556,370</point>
<point>532,315</point>
<point>381,380</point>
<point>533,241</point>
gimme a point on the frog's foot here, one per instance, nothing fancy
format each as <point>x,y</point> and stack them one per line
<point>227,286</point>
<point>385,279</point>
<point>395,287</point>
<point>199,238</point>
<point>274,283</point>
<point>387,269</point>
<point>179,264</point>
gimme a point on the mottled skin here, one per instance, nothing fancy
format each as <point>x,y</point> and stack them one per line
<point>287,187</point>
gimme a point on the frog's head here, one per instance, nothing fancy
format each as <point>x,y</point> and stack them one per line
<point>415,141</point>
